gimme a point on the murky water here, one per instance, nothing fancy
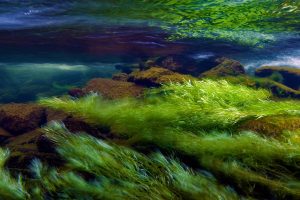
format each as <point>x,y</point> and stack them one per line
<point>47,47</point>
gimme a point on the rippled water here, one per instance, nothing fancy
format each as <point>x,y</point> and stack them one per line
<point>47,47</point>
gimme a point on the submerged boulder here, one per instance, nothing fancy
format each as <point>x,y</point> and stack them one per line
<point>4,135</point>
<point>21,118</point>
<point>272,126</point>
<point>120,77</point>
<point>156,76</point>
<point>76,92</point>
<point>225,67</point>
<point>29,146</point>
<point>112,89</point>
<point>192,65</point>
<point>277,89</point>
<point>289,76</point>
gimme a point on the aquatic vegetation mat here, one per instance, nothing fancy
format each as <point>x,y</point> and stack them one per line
<point>249,22</point>
<point>192,106</point>
<point>199,120</point>
<point>96,169</point>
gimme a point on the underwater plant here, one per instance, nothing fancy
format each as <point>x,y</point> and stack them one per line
<point>96,169</point>
<point>181,118</point>
<point>191,106</point>
<point>249,22</point>
<point>10,188</point>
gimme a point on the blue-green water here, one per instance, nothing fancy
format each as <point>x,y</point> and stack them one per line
<point>47,47</point>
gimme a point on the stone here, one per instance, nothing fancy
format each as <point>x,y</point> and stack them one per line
<point>112,89</point>
<point>21,118</point>
<point>120,77</point>
<point>178,63</point>
<point>226,67</point>
<point>29,146</point>
<point>76,92</point>
<point>271,126</point>
<point>4,135</point>
<point>289,76</point>
<point>156,76</point>
<point>278,89</point>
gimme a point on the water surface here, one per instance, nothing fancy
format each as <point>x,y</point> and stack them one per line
<point>50,47</point>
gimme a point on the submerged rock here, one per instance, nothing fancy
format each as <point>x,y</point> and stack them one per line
<point>21,118</point>
<point>186,64</point>
<point>112,89</point>
<point>76,92</point>
<point>272,126</point>
<point>289,76</point>
<point>156,76</point>
<point>277,89</point>
<point>226,67</point>
<point>4,135</point>
<point>29,146</point>
<point>120,77</point>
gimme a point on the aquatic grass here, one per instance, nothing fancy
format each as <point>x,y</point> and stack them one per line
<point>246,159</point>
<point>117,172</point>
<point>191,106</point>
<point>10,188</point>
<point>180,117</point>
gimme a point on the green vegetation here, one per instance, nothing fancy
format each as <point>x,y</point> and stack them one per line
<point>200,119</point>
<point>195,123</point>
<point>277,88</point>
<point>192,106</point>
<point>248,22</point>
<point>96,169</point>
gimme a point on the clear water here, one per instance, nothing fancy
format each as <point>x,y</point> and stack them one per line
<point>47,47</point>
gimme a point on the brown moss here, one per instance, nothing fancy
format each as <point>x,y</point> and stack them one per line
<point>21,118</point>
<point>276,88</point>
<point>112,89</point>
<point>290,76</point>
<point>272,126</point>
<point>226,67</point>
<point>120,77</point>
<point>156,76</point>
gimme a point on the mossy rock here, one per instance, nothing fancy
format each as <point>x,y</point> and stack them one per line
<point>272,126</point>
<point>29,146</point>
<point>226,67</point>
<point>120,77</point>
<point>278,89</point>
<point>290,76</point>
<point>21,118</point>
<point>112,89</point>
<point>156,76</point>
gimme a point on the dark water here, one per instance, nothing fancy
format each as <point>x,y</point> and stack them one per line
<point>47,47</point>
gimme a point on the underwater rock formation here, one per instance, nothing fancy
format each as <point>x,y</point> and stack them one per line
<point>120,77</point>
<point>226,67</point>
<point>288,76</point>
<point>21,118</point>
<point>179,63</point>
<point>112,89</point>
<point>272,126</point>
<point>277,89</point>
<point>156,76</point>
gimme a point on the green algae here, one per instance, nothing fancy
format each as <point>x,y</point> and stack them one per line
<point>246,22</point>
<point>196,121</point>
<point>193,106</point>
<point>96,169</point>
<point>181,117</point>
